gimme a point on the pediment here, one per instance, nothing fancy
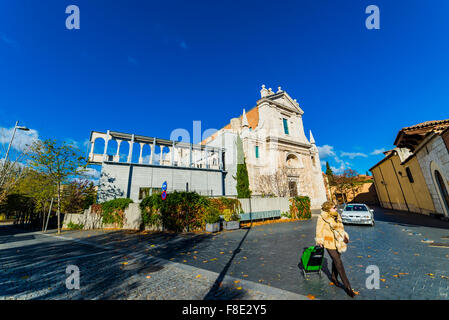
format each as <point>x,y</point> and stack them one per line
<point>283,100</point>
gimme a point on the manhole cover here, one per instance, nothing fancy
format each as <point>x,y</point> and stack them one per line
<point>150,269</point>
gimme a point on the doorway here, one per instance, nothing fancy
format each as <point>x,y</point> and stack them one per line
<point>293,188</point>
<point>444,195</point>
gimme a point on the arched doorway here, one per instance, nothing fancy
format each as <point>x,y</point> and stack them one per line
<point>442,189</point>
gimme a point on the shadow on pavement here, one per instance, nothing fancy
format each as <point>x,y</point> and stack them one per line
<point>38,270</point>
<point>405,218</point>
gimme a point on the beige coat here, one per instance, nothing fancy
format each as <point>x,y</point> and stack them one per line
<point>330,233</point>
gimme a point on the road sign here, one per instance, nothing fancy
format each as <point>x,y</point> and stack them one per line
<point>164,195</point>
<point>164,186</point>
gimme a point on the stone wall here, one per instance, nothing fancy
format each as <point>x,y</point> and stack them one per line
<point>435,156</point>
<point>132,219</point>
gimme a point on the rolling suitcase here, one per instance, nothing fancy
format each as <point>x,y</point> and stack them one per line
<point>312,260</point>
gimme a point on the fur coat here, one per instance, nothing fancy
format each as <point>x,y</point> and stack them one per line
<point>330,232</point>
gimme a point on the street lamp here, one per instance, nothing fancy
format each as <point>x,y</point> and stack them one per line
<point>16,127</point>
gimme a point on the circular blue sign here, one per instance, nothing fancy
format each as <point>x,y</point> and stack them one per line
<point>164,195</point>
<point>164,186</point>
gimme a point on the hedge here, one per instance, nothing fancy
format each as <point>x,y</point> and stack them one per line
<point>112,211</point>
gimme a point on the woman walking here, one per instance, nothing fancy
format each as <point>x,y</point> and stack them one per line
<point>331,235</point>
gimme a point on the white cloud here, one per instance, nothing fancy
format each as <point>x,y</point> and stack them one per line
<point>326,151</point>
<point>353,155</point>
<point>22,139</point>
<point>378,151</point>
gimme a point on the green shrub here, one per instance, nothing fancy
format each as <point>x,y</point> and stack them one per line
<point>150,208</point>
<point>230,216</point>
<point>113,211</point>
<point>212,215</point>
<point>300,208</point>
<point>180,211</point>
<point>75,226</point>
<point>223,203</point>
<point>286,214</point>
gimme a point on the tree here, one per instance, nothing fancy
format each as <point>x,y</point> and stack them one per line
<point>275,184</point>
<point>329,171</point>
<point>39,187</point>
<point>78,196</point>
<point>345,182</point>
<point>242,178</point>
<point>60,161</point>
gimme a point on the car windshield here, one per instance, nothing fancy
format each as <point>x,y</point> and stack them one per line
<point>356,208</point>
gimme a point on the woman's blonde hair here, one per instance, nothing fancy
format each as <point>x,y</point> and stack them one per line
<point>327,206</point>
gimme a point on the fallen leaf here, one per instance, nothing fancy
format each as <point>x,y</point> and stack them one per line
<point>331,284</point>
<point>184,261</point>
<point>383,280</point>
<point>403,273</point>
<point>239,288</point>
<point>430,274</point>
<point>148,277</point>
<point>236,281</point>
<point>213,259</point>
<point>245,275</point>
<point>221,252</point>
<point>356,292</point>
<point>444,277</point>
<point>198,276</point>
<point>396,276</point>
<point>311,297</point>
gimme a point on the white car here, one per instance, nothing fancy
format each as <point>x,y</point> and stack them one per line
<point>357,213</point>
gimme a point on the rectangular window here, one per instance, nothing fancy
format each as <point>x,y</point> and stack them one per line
<point>409,175</point>
<point>143,193</point>
<point>285,126</point>
<point>257,152</point>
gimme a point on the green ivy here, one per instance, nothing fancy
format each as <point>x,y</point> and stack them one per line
<point>113,211</point>
<point>75,226</point>
<point>300,208</point>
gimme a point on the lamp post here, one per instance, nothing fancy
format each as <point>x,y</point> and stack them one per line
<point>12,138</point>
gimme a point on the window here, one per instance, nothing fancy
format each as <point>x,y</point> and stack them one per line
<point>285,126</point>
<point>351,207</point>
<point>143,193</point>
<point>257,152</point>
<point>409,175</point>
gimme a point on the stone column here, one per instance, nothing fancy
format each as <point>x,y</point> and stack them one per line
<point>106,147</point>
<point>130,154</point>
<point>141,150</point>
<point>190,156</point>
<point>172,153</point>
<point>153,149</point>
<point>117,155</point>
<point>160,156</point>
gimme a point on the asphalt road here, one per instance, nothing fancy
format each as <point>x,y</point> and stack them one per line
<point>260,262</point>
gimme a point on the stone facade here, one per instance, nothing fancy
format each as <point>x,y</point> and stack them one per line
<point>434,156</point>
<point>273,137</point>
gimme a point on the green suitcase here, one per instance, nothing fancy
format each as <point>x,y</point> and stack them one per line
<point>312,260</point>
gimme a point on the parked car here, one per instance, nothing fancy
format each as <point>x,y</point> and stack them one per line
<point>357,213</point>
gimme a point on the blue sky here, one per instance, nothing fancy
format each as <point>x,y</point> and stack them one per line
<point>148,67</point>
